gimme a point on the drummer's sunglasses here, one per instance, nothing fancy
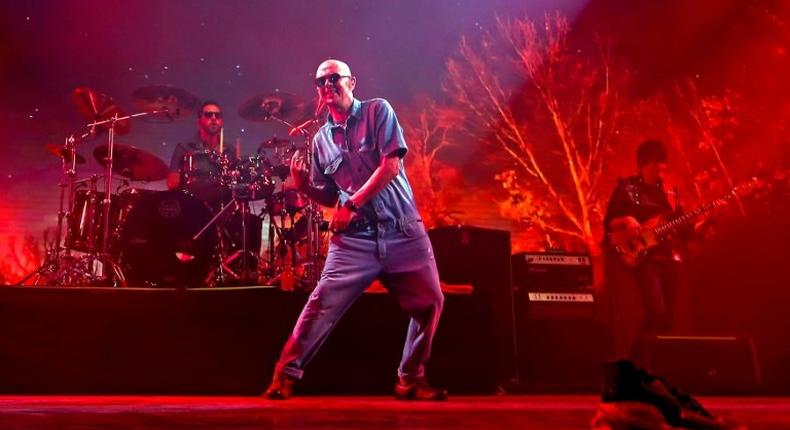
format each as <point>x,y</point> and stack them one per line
<point>332,78</point>
<point>212,114</point>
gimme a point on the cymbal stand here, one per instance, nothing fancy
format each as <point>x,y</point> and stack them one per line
<point>69,172</point>
<point>103,259</point>
<point>283,246</point>
<point>314,216</point>
<point>53,260</point>
<point>224,270</point>
<point>247,273</point>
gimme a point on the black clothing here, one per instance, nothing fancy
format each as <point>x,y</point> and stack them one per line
<point>195,145</point>
<point>659,275</point>
<point>643,201</point>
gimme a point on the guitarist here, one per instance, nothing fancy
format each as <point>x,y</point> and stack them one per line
<point>658,275</point>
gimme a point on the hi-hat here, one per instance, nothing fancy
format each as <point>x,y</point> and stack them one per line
<point>133,163</point>
<point>95,106</point>
<point>261,108</point>
<point>60,151</point>
<point>176,102</point>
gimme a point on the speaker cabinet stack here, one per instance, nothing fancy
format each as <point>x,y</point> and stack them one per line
<point>560,346</point>
<point>480,257</point>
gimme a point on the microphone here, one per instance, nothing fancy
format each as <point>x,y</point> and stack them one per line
<point>301,127</point>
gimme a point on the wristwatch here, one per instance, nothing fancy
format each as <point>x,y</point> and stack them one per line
<point>349,204</point>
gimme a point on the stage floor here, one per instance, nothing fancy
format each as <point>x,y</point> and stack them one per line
<point>460,412</point>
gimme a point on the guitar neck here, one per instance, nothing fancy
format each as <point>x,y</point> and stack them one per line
<point>681,220</point>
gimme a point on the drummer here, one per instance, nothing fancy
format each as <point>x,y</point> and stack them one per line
<point>210,123</point>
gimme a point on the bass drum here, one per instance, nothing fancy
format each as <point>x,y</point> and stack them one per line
<point>156,241</point>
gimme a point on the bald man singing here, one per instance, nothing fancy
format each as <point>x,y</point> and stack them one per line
<point>377,233</point>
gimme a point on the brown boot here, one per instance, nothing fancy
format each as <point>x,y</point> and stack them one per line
<point>418,389</point>
<point>281,388</point>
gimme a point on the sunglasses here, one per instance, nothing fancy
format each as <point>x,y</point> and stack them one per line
<point>208,114</point>
<point>332,78</point>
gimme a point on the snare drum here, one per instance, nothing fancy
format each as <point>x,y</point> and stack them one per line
<point>202,175</point>
<point>156,241</point>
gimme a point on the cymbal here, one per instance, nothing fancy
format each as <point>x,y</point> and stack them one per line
<point>133,163</point>
<point>261,108</point>
<point>60,151</point>
<point>176,101</point>
<point>95,106</point>
<point>275,142</point>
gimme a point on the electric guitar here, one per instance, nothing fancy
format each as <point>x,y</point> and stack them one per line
<point>632,246</point>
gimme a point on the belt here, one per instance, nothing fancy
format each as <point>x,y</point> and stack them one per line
<point>364,225</point>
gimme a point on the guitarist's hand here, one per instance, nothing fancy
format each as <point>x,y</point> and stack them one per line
<point>626,224</point>
<point>623,229</point>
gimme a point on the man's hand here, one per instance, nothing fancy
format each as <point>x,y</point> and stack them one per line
<point>299,171</point>
<point>626,223</point>
<point>340,220</point>
<point>624,228</point>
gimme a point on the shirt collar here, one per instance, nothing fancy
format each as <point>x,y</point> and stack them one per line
<point>356,112</point>
<point>659,183</point>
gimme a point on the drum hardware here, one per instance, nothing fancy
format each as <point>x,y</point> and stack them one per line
<point>86,249</point>
<point>174,102</point>
<point>224,269</point>
<point>133,163</point>
<point>274,143</point>
<point>205,174</point>
<point>283,252</point>
<point>55,262</point>
<point>105,115</point>
<point>103,235</point>
<point>64,152</point>
<point>275,107</point>
<point>275,104</point>
<point>99,109</point>
<point>157,243</point>
<point>282,149</point>
<point>251,178</point>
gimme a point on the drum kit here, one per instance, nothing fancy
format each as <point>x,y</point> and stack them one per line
<point>204,234</point>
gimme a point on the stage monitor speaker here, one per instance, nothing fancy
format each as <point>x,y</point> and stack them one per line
<point>705,364</point>
<point>481,257</point>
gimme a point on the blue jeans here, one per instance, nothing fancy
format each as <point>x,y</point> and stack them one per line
<point>398,254</point>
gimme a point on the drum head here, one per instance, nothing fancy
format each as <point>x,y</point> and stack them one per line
<point>156,241</point>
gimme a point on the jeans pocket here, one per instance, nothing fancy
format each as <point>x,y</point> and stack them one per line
<point>413,228</point>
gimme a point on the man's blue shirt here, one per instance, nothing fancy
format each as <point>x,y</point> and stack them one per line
<point>345,156</point>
